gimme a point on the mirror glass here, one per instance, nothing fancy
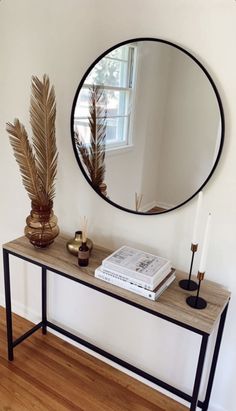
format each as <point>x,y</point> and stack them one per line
<point>147,126</point>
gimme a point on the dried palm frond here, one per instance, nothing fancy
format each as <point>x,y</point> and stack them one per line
<point>26,160</point>
<point>93,156</point>
<point>42,119</point>
<point>38,163</point>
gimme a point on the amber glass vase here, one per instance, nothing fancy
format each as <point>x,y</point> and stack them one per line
<point>41,225</point>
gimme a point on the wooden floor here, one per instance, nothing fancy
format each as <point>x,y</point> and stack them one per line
<point>156,210</point>
<point>50,374</point>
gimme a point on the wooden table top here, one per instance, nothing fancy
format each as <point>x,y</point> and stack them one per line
<point>172,303</point>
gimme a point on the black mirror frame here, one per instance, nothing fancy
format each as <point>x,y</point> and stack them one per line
<point>217,97</point>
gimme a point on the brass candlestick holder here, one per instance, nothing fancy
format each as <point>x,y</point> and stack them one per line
<point>189,284</point>
<point>196,301</point>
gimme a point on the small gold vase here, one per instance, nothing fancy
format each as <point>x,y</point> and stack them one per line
<point>74,244</point>
<point>41,225</point>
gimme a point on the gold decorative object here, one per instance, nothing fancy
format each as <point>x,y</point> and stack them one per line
<point>200,276</point>
<point>93,155</point>
<point>194,247</point>
<point>38,162</point>
<point>74,244</point>
<point>189,284</point>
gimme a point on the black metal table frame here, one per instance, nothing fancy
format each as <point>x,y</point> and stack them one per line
<point>192,399</point>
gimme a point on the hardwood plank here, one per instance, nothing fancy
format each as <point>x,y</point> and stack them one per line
<point>156,210</point>
<point>50,374</point>
<point>172,303</point>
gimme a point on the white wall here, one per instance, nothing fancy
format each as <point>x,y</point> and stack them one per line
<point>190,130</point>
<point>152,85</point>
<point>62,38</point>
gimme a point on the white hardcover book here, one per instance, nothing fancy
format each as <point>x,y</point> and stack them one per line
<point>136,264</point>
<point>139,283</point>
<point>152,295</point>
<point>165,284</point>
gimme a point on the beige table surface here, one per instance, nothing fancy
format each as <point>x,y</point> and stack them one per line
<point>172,302</point>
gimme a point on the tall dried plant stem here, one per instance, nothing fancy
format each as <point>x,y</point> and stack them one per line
<point>26,160</point>
<point>38,164</point>
<point>42,119</point>
<point>93,156</point>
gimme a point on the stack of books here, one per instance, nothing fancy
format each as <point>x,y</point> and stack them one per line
<point>137,271</point>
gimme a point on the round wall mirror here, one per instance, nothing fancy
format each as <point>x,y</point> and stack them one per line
<point>147,126</point>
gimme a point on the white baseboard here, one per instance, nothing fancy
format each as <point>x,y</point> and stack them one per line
<point>166,206</point>
<point>149,206</point>
<point>21,310</point>
<point>216,408</point>
<point>33,316</point>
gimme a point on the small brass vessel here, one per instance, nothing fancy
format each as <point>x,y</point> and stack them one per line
<point>74,244</point>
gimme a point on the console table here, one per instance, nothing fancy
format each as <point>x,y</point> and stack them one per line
<point>171,307</point>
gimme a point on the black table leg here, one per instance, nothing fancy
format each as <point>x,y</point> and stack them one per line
<point>8,304</point>
<point>44,300</point>
<point>215,358</point>
<point>198,377</point>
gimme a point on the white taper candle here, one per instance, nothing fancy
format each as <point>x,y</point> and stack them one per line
<point>196,221</point>
<point>202,266</point>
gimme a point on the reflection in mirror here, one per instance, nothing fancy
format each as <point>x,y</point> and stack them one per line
<point>154,127</point>
<point>91,141</point>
